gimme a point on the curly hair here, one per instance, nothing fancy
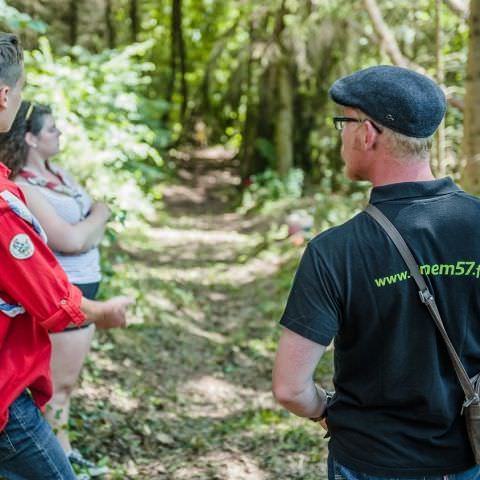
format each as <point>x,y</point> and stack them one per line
<point>13,147</point>
<point>11,59</point>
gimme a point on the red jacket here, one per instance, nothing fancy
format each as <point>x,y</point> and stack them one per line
<point>35,298</point>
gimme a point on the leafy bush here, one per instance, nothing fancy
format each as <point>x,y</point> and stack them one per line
<point>267,187</point>
<point>97,104</point>
<point>334,209</point>
<point>17,21</point>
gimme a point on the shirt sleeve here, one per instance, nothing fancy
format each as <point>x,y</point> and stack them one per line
<point>312,309</point>
<point>32,277</point>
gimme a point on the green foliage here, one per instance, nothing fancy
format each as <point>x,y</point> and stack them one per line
<point>266,149</point>
<point>107,142</point>
<point>334,209</point>
<point>233,50</point>
<point>15,20</point>
<point>98,107</point>
<point>267,187</point>
<point>208,310</point>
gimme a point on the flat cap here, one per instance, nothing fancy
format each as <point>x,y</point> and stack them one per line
<point>397,98</point>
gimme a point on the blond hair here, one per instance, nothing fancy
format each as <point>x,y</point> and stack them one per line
<point>410,149</point>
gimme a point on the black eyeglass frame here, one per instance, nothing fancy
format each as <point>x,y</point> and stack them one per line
<point>339,121</point>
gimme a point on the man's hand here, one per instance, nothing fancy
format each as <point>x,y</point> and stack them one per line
<point>111,313</point>
<point>323,424</point>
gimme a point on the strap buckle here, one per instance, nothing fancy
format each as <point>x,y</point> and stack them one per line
<point>425,296</point>
<point>469,401</point>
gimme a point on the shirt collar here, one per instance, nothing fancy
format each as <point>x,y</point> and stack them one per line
<point>4,170</point>
<point>397,191</point>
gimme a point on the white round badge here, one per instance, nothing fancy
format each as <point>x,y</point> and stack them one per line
<point>21,247</point>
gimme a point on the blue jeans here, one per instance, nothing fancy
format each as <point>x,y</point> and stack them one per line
<point>29,449</point>
<point>339,472</point>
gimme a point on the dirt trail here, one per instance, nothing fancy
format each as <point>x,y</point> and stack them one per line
<point>185,392</point>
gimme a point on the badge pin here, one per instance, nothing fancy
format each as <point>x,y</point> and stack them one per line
<point>21,247</point>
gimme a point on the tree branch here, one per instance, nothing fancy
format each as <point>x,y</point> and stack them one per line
<point>459,7</point>
<point>388,40</point>
<point>390,44</point>
<point>215,54</point>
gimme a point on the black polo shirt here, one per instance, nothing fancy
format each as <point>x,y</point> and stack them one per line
<point>397,407</point>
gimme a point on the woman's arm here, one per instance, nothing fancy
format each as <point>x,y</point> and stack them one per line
<point>62,236</point>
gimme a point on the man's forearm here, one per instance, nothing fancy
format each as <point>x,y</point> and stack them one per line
<point>310,402</point>
<point>292,376</point>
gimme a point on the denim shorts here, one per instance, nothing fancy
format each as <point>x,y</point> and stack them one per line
<point>339,472</point>
<point>29,449</point>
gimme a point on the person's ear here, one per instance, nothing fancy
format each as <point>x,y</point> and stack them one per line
<point>4,89</point>
<point>370,136</point>
<point>31,140</point>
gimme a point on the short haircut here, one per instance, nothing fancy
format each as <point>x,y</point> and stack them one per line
<point>11,59</point>
<point>13,147</point>
<point>408,149</point>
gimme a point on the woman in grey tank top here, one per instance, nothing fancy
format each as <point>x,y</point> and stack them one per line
<point>74,225</point>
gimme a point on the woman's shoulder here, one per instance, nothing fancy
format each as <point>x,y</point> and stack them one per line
<point>19,179</point>
<point>28,189</point>
<point>36,193</point>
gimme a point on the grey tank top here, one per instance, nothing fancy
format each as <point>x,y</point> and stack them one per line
<point>83,267</point>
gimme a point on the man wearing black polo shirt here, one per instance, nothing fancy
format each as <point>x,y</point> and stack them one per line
<point>396,410</point>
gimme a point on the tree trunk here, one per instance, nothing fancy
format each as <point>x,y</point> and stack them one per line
<point>73,22</point>
<point>177,55</point>
<point>284,120</point>
<point>134,20</point>
<point>111,33</point>
<point>183,60</point>
<point>471,119</point>
<point>283,125</point>
<point>440,138</point>
<point>247,151</point>
<point>173,60</point>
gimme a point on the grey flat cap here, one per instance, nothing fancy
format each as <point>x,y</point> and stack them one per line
<point>398,98</point>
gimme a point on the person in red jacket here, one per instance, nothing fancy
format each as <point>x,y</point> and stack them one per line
<point>35,298</point>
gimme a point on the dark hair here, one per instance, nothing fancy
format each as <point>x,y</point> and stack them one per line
<point>13,147</point>
<point>11,59</point>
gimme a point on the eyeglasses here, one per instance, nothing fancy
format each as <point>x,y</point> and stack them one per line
<point>340,122</point>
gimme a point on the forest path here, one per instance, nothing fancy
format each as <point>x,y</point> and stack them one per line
<point>184,392</point>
